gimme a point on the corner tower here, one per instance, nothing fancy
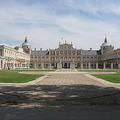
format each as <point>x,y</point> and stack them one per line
<point>26,46</point>
<point>106,47</point>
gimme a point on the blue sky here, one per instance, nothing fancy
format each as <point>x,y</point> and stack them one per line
<point>83,22</point>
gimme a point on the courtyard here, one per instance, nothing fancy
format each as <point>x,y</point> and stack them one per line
<point>61,94</point>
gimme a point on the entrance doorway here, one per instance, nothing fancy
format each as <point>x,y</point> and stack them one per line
<point>66,65</point>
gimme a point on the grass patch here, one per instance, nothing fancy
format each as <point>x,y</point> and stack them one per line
<point>15,77</point>
<point>118,71</point>
<point>114,78</point>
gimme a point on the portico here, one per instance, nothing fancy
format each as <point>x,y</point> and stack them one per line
<point>65,65</point>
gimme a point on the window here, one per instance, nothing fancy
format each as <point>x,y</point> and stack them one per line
<point>61,52</point>
<point>78,58</point>
<point>23,65</point>
<point>52,58</point>
<point>57,53</point>
<point>39,65</point>
<point>73,52</point>
<point>65,52</point>
<point>52,52</point>
<point>69,52</point>
<point>78,52</point>
<point>15,65</point>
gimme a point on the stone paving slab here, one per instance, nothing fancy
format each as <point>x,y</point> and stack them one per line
<point>68,79</point>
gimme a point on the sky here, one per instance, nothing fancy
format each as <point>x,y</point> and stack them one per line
<point>82,22</point>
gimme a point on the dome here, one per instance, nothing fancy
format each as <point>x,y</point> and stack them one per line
<point>106,43</point>
<point>25,42</point>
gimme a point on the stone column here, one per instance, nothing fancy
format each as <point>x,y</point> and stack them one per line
<point>67,65</point>
<point>72,65</point>
<point>42,65</point>
<point>97,65</point>
<point>118,65</point>
<point>111,65</point>
<point>104,65</point>
<point>13,64</point>
<point>27,65</point>
<point>89,65</point>
<point>35,66</point>
<point>5,64</point>
<point>81,65</point>
<point>20,65</point>
<point>50,66</point>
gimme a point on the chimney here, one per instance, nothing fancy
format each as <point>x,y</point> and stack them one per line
<point>34,49</point>
<point>40,49</point>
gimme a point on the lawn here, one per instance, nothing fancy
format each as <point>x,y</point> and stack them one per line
<point>118,71</point>
<point>114,78</point>
<point>15,77</point>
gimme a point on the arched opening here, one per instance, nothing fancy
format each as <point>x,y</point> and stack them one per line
<point>1,64</point>
<point>65,65</point>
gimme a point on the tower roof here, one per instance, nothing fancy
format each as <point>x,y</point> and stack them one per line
<point>26,39</point>
<point>25,42</point>
<point>105,42</point>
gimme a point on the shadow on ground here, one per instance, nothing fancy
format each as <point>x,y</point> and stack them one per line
<point>57,98</point>
<point>59,95</point>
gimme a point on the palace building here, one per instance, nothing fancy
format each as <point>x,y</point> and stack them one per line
<point>15,58</point>
<point>63,57</point>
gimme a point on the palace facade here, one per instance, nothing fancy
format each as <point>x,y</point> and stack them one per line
<point>15,58</point>
<point>65,56</point>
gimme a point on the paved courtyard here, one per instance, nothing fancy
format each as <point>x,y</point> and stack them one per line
<point>68,79</point>
<point>64,94</point>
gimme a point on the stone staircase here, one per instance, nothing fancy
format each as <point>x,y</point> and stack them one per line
<point>66,70</point>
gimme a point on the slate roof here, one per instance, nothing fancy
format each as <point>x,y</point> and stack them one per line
<point>90,52</point>
<point>83,52</point>
<point>39,53</point>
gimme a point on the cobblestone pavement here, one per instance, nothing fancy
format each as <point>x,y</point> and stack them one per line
<point>68,79</point>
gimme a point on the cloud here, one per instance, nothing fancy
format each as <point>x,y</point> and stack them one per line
<point>84,23</point>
